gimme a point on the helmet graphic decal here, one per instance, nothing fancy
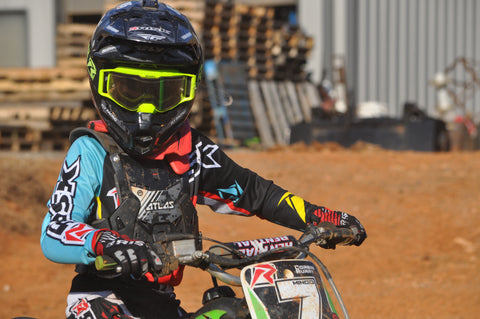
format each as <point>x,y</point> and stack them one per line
<point>92,70</point>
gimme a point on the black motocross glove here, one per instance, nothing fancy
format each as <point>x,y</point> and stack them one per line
<point>340,219</point>
<point>133,256</point>
<point>357,227</point>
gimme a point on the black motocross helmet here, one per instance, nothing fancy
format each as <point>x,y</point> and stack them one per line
<point>144,62</point>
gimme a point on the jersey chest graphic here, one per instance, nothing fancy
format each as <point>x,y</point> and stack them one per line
<point>158,206</point>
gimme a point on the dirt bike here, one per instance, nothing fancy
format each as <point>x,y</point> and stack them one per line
<point>276,278</point>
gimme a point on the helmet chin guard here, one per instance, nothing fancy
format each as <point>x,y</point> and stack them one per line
<point>141,134</point>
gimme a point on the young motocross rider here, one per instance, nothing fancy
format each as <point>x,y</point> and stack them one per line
<point>137,174</point>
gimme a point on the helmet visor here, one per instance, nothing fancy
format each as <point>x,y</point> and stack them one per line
<point>133,88</point>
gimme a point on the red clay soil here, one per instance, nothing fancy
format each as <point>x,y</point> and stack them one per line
<point>421,212</point>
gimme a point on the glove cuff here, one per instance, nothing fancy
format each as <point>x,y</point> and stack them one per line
<point>324,214</point>
<point>96,246</point>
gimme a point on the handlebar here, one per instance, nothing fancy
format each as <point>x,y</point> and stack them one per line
<point>229,255</point>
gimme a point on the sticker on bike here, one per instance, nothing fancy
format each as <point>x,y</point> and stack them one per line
<point>286,289</point>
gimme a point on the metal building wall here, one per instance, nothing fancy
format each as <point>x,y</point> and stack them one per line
<point>38,28</point>
<point>395,47</point>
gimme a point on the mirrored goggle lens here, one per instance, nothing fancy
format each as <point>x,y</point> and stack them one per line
<point>164,93</point>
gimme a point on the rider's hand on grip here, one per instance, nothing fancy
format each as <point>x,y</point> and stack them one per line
<point>354,224</point>
<point>133,256</point>
<point>340,219</point>
<point>328,235</point>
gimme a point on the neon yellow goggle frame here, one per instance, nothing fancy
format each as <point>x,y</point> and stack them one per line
<point>146,91</point>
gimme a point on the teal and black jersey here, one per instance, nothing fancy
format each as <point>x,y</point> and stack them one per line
<point>87,190</point>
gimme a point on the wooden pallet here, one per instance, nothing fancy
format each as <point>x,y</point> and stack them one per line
<point>41,128</point>
<point>277,106</point>
<point>19,138</point>
<point>229,31</point>
<point>249,34</point>
<point>54,89</point>
<point>260,115</point>
<point>220,27</point>
<point>66,82</point>
<point>74,34</point>
<point>29,75</point>
<point>72,46</point>
<point>290,51</point>
<point>235,82</point>
<point>255,31</point>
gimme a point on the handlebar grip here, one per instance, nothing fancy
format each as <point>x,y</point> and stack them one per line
<point>347,235</point>
<point>327,234</point>
<point>105,263</point>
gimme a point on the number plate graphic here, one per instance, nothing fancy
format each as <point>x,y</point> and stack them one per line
<point>285,289</point>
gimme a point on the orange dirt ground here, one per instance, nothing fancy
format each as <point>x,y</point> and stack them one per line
<point>421,212</point>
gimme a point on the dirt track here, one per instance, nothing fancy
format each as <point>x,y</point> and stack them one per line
<point>421,258</point>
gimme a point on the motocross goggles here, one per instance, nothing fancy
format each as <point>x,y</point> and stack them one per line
<point>146,91</point>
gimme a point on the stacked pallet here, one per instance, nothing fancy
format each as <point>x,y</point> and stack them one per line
<point>255,40</point>
<point>66,82</point>
<point>52,84</point>
<point>72,44</point>
<point>240,33</point>
<point>220,29</point>
<point>19,138</point>
<point>250,34</point>
<point>40,126</point>
<point>39,106</point>
<point>290,51</point>
<point>273,57</point>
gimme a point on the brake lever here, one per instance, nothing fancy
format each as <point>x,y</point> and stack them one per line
<point>311,235</point>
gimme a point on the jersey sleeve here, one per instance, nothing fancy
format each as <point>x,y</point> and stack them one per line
<point>230,188</point>
<point>66,237</point>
